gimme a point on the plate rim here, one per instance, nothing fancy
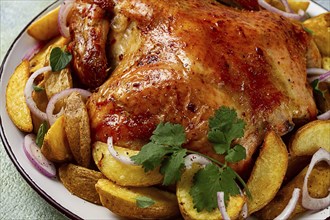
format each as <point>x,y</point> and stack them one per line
<point>63,210</point>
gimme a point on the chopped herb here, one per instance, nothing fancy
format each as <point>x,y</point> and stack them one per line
<point>165,150</point>
<point>308,30</point>
<point>38,88</point>
<point>144,202</point>
<point>316,89</point>
<point>41,133</point>
<point>59,59</point>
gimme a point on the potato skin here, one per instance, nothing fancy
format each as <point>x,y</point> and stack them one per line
<point>122,201</point>
<point>186,203</point>
<point>81,181</point>
<point>268,172</point>
<point>77,129</point>
<point>122,174</point>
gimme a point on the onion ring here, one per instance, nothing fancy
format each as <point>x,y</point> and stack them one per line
<point>221,206</point>
<point>271,8</point>
<point>285,214</point>
<point>121,158</point>
<point>65,9</point>
<point>195,158</point>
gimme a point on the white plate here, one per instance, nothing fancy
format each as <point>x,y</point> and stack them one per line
<point>52,190</point>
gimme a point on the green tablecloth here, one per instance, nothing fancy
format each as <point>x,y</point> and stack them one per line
<point>17,199</point>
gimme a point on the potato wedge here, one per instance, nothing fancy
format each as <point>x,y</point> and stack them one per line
<point>122,201</point>
<point>55,146</point>
<point>326,63</point>
<point>122,174</point>
<point>318,185</point>
<point>295,5</point>
<point>16,106</point>
<point>310,137</point>
<point>186,204</point>
<point>45,28</point>
<point>77,129</point>
<point>320,26</point>
<point>268,172</point>
<point>41,58</point>
<point>81,181</point>
<point>41,100</point>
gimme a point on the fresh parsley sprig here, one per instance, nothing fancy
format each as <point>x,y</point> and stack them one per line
<point>165,150</point>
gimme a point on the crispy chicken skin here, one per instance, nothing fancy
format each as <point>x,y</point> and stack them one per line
<point>89,25</point>
<point>180,60</point>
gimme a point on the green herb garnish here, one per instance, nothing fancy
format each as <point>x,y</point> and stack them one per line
<point>59,59</point>
<point>41,133</point>
<point>144,202</point>
<point>165,150</point>
<point>38,88</point>
<point>309,31</point>
<point>316,89</point>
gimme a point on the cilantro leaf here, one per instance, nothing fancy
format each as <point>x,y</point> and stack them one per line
<point>151,155</point>
<point>59,59</point>
<point>41,133</point>
<point>205,186</point>
<point>169,134</point>
<point>172,167</point>
<point>38,88</point>
<point>228,183</point>
<point>316,89</point>
<point>236,154</point>
<point>144,202</point>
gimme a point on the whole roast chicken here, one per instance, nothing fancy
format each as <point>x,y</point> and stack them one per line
<point>179,60</point>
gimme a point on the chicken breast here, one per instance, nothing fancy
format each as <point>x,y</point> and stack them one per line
<point>180,60</point>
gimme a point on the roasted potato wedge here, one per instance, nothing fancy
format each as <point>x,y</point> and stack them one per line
<point>45,28</point>
<point>268,172</point>
<point>326,63</point>
<point>310,137</point>
<point>16,106</point>
<point>81,181</point>
<point>295,5</point>
<point>186,204</point>
<point>320,26</point>
<point>319,183</point>
<point>122,201</point>
<point>122,174</point>
<point>41,59</point>
<point>77,129</point>
<point>41,100</point>
<point>55,146</point>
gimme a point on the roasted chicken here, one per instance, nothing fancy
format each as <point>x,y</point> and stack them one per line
<point>180,60</point>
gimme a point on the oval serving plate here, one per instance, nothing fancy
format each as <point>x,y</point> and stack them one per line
<point>52,190</point>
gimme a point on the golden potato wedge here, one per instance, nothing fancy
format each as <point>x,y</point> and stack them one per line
<point>41,59</point>
<point>326,63</point>
<point>186,204</point>
<point>320,26</point>
<point>77,129</point>
<point>16,106</point>
<point>45,28</point>
<point>318,185</point>
<point>123,174</point>
<point>55,146</point>
<point>41,100</point>
<point>310,137</point>
<point>268,172</point>
<point>295,5</point>
<point>123,201</point>
<point>81,181</point>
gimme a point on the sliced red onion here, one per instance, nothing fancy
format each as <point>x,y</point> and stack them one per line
<point>28,93</point>
<point>121,158</point>
<point>287,6</point>
<point>324,116</point>
<point>271,8</point>
<point>324,77</point>
<point>65,9</point>
<point>222,206</point>
<point>61,95</point>
<point>245,211</point>
<point>195,158</point>
<point>316,71</point>
<point>33,153</point>
<point>33,50</point>
<point>307,201</point>
<point>285,214</point>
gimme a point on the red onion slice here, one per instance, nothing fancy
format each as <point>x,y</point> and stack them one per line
<point>271,8</point>
<point>121,158</point>
<point>61,95</point>
<point>316,71</point>
<point>285,214</point>
<point>195,158</point>
<point>324,116</point>
<point>65,9</point>
<point>28,93</point>
<point>324,77</point>
<point>222,206</point>
<point>307,201</point>
<point>33,50</point>
<point>33,153</point>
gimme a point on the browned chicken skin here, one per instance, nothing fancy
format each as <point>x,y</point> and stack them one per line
<point>180,60</point>
<point>89,27</point>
